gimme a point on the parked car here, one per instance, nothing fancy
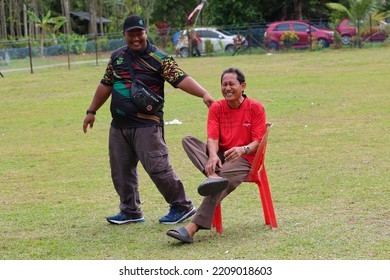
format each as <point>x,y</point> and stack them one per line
<point>347,30</point>
<point>274,32</point>
<point>222,40</point>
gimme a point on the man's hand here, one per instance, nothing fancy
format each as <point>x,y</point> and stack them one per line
<point>234,153</point>
<point>211,164</point>
<point>208,100</point>
<point>89,120</point>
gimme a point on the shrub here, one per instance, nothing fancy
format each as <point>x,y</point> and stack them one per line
<point>289,38</point>
<point>102,43</point>
<point>209,47</point>
<point>337,42</point>
<point>113,44</point>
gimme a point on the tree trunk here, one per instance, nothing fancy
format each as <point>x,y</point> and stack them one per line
<point>18,20</point>
<point>3,21</point>
<point>42,42</point>
<point>66,11</point>
<point>11,12</point>
<point>25,22</point>
<point>33,29</point>
<point>91,4</point>
<point>100,14</point>
<point>298,9</point>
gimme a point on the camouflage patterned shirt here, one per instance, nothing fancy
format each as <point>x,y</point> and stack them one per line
<point>153,67</point>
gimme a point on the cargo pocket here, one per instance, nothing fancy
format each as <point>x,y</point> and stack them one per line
<point>158,161</point>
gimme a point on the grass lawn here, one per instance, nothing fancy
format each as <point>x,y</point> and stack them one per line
<point>327,162</point>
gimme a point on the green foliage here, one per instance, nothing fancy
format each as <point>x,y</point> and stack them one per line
<point>337,42</point>
<point>357,11</point>
<point>209,47</point>
<point>174,12</point>
<point>47,23</point>
<point>79,47</point>
<point>220,44</point>
<point>76,42</point>
<point>102,43</point>
<point>240,12</point>
<point>14,43</point>
<point>289,38</point>
<point>315,44</point>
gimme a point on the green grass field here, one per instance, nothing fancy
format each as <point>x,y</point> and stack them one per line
<point>327,162</point>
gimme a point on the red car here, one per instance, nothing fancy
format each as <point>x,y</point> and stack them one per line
<point>347,30</point>
<point>302,29</point>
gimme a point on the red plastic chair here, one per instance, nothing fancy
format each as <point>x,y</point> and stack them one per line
<point>258,175</point>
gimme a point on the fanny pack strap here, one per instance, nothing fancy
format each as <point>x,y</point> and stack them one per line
<point>130,66</point>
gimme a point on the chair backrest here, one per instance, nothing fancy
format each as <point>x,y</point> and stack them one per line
<point>258,162</point>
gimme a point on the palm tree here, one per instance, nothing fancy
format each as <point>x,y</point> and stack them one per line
<point>120,9</point>
<point>47,24</point>
<point>358,12</point>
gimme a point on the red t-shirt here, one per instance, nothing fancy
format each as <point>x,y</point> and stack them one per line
<point>236,127</point>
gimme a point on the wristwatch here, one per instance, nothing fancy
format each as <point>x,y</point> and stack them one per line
<point>91,112</point>
<point>247,150</point>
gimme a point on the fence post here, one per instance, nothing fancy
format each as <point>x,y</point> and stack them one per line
<point>96,50</point>
<point>68,50</point>
<point>30,54</point>
<point>371,30</point>
<point>250,39</point>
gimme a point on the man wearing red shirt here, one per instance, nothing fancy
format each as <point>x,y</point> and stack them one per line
<point>235,128</point>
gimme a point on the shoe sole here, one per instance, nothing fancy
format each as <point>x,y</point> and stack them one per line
<point>212,186</point>
<point>133,221</point>
<point>180,233</point>
<point>186,216</point>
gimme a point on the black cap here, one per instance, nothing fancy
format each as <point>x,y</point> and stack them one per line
<point>134,22</point>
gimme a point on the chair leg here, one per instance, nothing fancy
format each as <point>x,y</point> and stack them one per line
<point>266,199</point>
<point>264,202</point>
<point>217,219</point>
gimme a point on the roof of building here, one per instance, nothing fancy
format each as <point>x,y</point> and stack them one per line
<point>87,16</point>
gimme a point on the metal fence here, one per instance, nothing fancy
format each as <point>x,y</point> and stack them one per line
<point>26,54</point>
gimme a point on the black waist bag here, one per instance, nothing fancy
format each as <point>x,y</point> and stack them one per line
<point>147,101</point>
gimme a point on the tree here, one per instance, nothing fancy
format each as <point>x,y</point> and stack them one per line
<point>240,12</point>
<point>298,9</point>
<point>66,12</point>
<point>147,6</point>
<point>46,24</point>
<point>174,12</point>
<point>3,20</point>
<point>91,4</point>
<point>12,15</point>
<point>117,9</point>
<point>358,12</point>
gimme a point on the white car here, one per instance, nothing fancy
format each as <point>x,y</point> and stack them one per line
<point>222,40</point>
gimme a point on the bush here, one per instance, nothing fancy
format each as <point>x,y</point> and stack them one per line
<point>55,50</point>
<point>113,44</point>
<point>209,47</point>
<point>337,42</point>
<point>103,45</point>
<point>289,38</point>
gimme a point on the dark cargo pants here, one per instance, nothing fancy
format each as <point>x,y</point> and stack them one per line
<point>128,147</point>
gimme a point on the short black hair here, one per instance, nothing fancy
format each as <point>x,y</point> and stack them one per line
<point>238,72</point>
